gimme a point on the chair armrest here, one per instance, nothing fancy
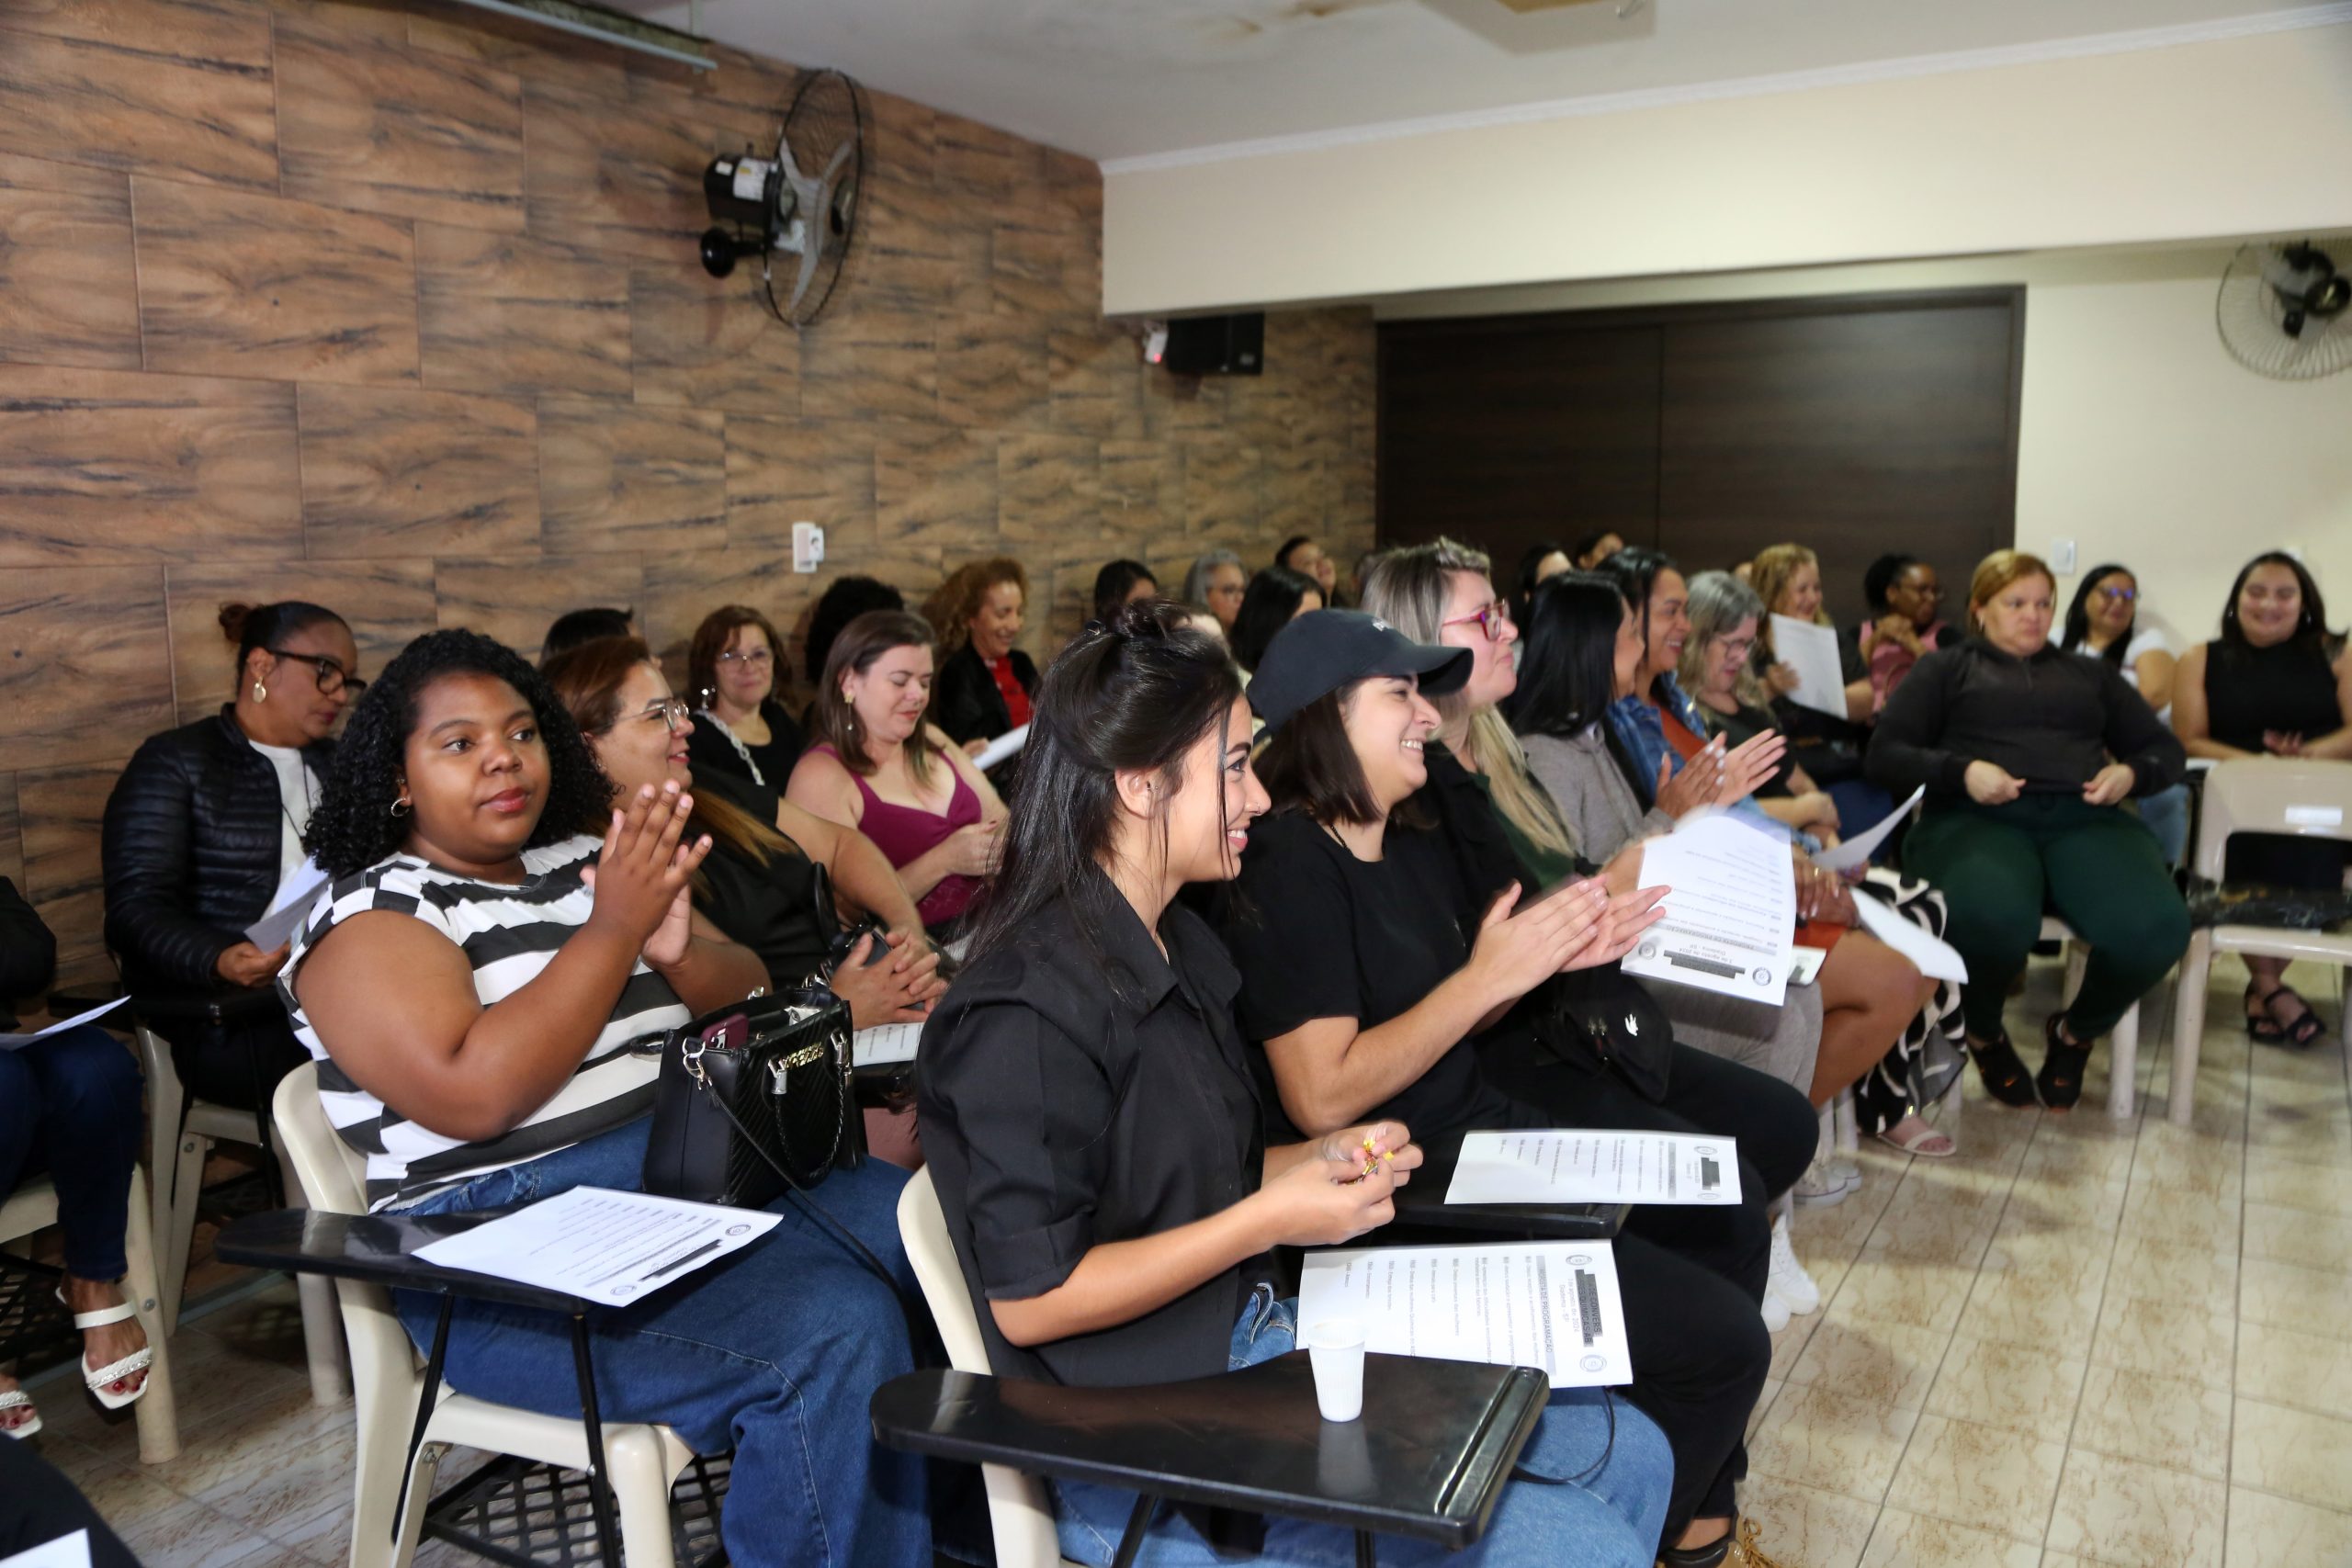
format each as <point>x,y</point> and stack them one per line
<point>1427,1459</point>
<point>376,1249</point>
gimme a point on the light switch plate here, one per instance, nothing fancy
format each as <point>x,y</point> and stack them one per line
<point>2062,556</point>
<point>808,546</point>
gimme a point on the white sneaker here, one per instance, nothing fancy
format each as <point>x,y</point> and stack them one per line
<point>1820,1187</point>
<point>1788,1283</point>
<point>1848,1171</point>
<point>1776,1312</point>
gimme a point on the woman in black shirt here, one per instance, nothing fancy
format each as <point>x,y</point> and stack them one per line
<point>732,668</point>
<point>1094,1132</point>
<point>2027,753</point>
<point>1378,982</point>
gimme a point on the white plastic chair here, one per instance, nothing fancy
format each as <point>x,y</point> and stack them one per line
<point>2124,1041</point>
<point>642,1461</point>
<point>180,1136</point>
<point>33,1207</point>
<point>2254,794</point>
<point>1020,1516</point>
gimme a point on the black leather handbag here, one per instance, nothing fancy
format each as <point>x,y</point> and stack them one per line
<point>752,1098</point>
<point>1607,1017</point>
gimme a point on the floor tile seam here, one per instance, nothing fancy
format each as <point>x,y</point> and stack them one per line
<point>2339,1511</point>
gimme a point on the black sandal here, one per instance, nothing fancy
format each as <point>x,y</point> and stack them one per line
<point>2003,1070</point>
<point>2306,1027</point>
<point>2260,1027</point>
<point>2060,1079</point>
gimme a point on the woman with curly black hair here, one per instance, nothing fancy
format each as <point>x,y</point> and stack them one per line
<point>469,985</point>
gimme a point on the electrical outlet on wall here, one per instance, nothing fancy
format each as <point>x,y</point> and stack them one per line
<point>808,546</point>
<point>2062,556</point>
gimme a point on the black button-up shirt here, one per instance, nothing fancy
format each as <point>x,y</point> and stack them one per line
<point>1076,1088</point>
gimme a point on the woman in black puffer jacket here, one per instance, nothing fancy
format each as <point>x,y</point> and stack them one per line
<point>205,823</point>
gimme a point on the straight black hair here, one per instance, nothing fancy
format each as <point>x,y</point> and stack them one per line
<point>1282,556</point>
<point>843,600</point>
<point>1115,582</point>
<point>576,628</point>
<point>1567,663</point>
<point>263,627</point>
<point>2312,633</point>
<point>1523,580</point>
<point>1272,598</point>
<point>2077,630</point>
<point>1136,694</point>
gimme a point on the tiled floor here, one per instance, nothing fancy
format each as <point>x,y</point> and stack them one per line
<point>2077,1342</point>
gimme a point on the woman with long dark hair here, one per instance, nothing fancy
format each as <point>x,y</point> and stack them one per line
<point>2103,621</point>
<point>1538,564</point>
<point>2277,683</point>
<point>878,764</point>
<point>1095,1133</point>
<point>498,933</point>
<point>1378,982</point>
<point>1275,597</point>
<point>205,823</point>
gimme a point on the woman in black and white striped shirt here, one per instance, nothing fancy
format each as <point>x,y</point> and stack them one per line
<point>469,984</point>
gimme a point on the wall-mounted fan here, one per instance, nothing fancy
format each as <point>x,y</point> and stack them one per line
<point>2286,306</point>
<point>800,203</point>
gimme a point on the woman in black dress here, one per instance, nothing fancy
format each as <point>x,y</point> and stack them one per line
<point>732,667</point>
<point>2277,683</point>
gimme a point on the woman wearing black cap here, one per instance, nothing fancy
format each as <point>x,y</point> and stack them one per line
<point>1376,985</point>
<point>1096,1134</point>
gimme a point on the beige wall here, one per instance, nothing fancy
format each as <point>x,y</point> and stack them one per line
<point>2189,142</point>
<point>2141,439</point>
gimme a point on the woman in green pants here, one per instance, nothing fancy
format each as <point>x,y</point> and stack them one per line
<point>2028,753</point>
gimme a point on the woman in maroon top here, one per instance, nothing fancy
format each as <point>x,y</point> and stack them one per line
<point>876,765</point>
<point>984,681</point>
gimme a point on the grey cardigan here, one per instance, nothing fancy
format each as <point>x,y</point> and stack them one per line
<point>1600,806</point>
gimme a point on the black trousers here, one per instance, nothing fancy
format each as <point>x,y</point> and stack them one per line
<point>1691,1277</point>
<point>236,1063</point>
<point>37,1505</point>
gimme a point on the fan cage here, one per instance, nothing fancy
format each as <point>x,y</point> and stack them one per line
<point>2250,316</point>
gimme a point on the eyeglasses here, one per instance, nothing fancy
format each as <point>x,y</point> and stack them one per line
<point>1491,620</point>
<point>1738,647</point>
<point>670,713</point>
<point>331,675</point>
<point>2119,595</point>
<point>750,659</point>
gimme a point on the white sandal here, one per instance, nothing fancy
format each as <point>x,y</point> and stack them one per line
<point>137,1362</point>
<point>11,1400</point>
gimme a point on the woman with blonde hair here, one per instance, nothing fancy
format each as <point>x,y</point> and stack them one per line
<point>984,683</point>
<point>2026,752</point>
<point>1787,578</point>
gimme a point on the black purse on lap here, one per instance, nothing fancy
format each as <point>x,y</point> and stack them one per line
<point>752,1098</point>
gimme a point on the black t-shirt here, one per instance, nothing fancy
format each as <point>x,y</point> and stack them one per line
<point>1076,1088</point>
<point>771,908</point>
<point>712,750</point>
<point>1319,933</point>
<point>1743,724</point>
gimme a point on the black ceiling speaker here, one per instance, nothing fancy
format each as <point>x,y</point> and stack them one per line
<point>1216,345</point>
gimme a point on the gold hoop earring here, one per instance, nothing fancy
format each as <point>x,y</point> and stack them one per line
<point>261,692</point>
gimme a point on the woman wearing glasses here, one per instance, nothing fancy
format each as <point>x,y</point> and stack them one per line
<point>742,728</point>
<point>2104,622</point>
<point>204,824</point>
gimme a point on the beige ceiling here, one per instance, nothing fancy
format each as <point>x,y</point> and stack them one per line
<point>1125,78</point>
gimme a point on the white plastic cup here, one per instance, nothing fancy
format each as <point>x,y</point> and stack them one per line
<point>1334,1346</point>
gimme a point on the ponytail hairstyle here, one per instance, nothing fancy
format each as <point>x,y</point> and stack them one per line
<point>1138,693</point>
<point>1408,588</point>
<point>2077,630</point>
<point>263,627</point>
<point>587,678</point>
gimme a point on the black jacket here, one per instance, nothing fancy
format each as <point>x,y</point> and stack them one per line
<point>2052,720</point>
<point>190,848</point>
<point>965,701</point>
<point>28,952</point>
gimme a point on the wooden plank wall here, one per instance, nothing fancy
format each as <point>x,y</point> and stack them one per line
<point>397,308</point>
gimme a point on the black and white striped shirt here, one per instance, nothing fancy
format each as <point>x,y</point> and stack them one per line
<point>508,932</point>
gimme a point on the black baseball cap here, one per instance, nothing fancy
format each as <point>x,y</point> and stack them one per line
<point>1325,650</point>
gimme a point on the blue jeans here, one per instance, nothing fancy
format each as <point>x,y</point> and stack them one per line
<point>2165,813</point>
<point>772,1353</point>
<point>69,1105</point>
<point>1608,1517</point>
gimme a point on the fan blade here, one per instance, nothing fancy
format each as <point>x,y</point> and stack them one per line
<point>842,154</point>
<point>808,258</point>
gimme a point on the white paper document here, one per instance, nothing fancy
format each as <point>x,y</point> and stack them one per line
<point>66,1552</point>
<point>1730,909</point>
<point>1933,956</point>
<point>1580,1165</point>
<point>290,908</point>
<point>885,1044</point>
<point>15,1042</point>
<point>601,1244</point>
<point>1854,853</point>
<point>1550,1305</point>
<point>1003,746</point>
<point>1813,651</point>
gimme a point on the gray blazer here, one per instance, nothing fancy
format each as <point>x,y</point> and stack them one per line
<point>1591,794</point>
